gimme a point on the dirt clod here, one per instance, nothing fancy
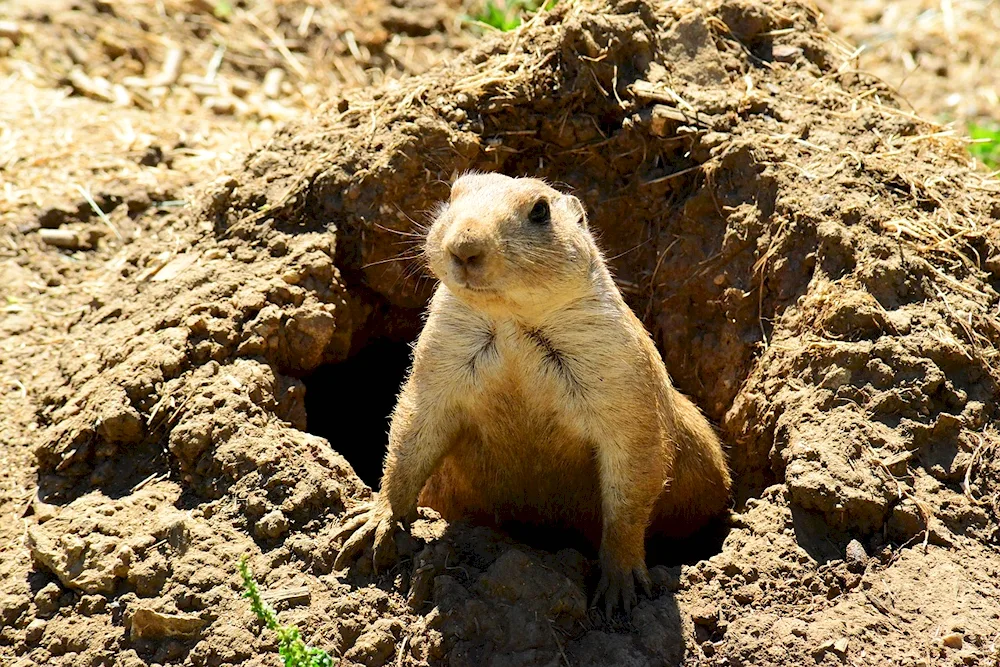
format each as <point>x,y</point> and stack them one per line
<point>150,624</point>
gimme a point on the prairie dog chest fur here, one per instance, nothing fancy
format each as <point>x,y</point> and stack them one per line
<point>510,375</point>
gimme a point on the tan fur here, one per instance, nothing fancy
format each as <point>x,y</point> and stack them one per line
<point>536,395</point>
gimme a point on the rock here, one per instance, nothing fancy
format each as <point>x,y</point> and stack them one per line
<point>748,594</point>
<point>272,525</point>
<point>34,631</point>
<point>706,615</point>
<point>377,644</point>
<point>47,599</point>
<point>150,624</point>
<point>856,555</point>
<point>61,238</point>
<point>92,604</point>
<point>838,646</point>
<point>12,608</point>
<point>953,640</point>
<point>89,543</point>
<point>785,53</point>
<point>118,420</point>
<point>905,521</point>
<point>87,564</point>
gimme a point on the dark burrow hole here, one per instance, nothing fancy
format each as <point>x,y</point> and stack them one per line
<point>350,404</point>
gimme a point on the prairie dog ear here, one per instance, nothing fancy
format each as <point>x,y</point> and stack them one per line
<point>576,210</point>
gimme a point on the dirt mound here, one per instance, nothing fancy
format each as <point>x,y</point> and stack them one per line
<point>818,266</point>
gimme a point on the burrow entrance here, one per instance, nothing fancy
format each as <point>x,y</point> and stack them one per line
<point>683,266</point>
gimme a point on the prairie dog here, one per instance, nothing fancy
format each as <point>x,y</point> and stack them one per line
<point>537,396</point>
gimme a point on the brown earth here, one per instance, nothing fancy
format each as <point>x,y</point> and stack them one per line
<point>203,374</point>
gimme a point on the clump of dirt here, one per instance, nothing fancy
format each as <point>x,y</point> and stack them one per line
<point>818,266</point>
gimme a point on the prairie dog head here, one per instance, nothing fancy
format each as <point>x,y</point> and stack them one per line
<point>511,242</point>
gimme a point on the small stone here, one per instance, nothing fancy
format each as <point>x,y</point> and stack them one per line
<point>377,643</point>
<point>705,615</point>
<point>838,646</point>
<point>272,525</point>
<point>47,599</point>
<point>856,554</point>
<point>80,563</point>
<point>953,640</point>
<point>257,504</point>
<point>34,631</point>
<point>92,604</point>
<point>785,53</point>
<point>61,238</point>
<point>747,594</point>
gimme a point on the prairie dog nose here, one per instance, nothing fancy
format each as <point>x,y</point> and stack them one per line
<point>466,252</point>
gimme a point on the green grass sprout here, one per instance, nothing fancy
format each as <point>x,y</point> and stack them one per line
<point>223,9</point>
<point>505,15</point>
<point>986,146</point>
<point>293,651</point>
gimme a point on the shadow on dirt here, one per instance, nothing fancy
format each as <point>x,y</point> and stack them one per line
<point>525,593</point>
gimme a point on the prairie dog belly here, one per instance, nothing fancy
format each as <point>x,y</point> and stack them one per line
<point>487,483</point>
<point>518,458</point>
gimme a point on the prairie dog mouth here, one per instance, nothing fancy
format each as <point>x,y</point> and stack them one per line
<point>479,289</point>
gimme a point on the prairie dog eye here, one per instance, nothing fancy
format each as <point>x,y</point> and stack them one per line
<point>540,214</point>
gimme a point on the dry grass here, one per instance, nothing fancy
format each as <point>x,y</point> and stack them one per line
<point>173,75</point>
<point>943,55</point>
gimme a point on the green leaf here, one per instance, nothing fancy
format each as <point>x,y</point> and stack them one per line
<point>986,148</point>
<point>505,15</point>
<point>223,9</point>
